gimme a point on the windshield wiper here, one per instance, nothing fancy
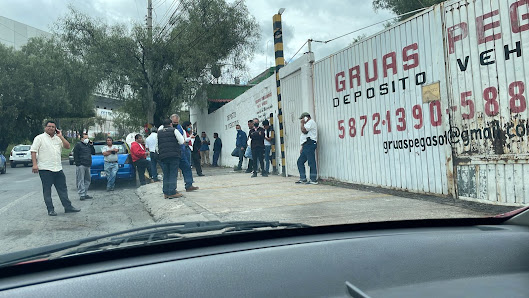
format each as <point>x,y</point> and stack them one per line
<point>146,234</point>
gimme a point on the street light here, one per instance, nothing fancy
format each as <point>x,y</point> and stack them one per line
<point>281,10</point>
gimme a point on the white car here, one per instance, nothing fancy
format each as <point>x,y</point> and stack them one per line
<point>20,155</point>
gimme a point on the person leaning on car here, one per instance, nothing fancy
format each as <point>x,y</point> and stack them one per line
<point>82,157</point>
<point>110,153</point>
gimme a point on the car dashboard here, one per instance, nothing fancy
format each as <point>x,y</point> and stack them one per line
<point>473,259</point>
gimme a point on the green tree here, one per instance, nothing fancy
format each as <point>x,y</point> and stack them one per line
<point>41,81</point>
<point>180,55</point>
<point>400,7</point>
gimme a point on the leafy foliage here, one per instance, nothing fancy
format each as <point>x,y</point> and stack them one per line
<point>174,63</point>
<point>41,81</point>
<point>400,7</point>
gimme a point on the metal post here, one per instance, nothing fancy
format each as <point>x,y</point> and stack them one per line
<point>150,95</point>
<point>280,62</point>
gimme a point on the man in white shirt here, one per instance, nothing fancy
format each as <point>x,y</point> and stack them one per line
<point>46,157</point>
<point>308,140</point>
<point>151,142</point>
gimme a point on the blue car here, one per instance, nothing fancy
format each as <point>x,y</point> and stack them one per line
<point>126,169</point>
<point>3,164</point>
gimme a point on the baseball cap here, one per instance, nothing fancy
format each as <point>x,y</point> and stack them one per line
<point>305,114</point>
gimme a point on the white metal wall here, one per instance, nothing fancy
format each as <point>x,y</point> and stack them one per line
<point>258,101</point>
<point>486,41</point>
<point>367,123</point>
<point>297,97</point>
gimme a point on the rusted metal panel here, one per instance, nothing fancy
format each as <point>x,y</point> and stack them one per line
<point>485,44</point>
<point>375,127</point>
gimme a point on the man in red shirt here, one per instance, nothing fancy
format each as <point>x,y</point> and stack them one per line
<point>139,158</point>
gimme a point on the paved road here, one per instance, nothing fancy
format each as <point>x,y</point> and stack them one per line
<point>24,222</point>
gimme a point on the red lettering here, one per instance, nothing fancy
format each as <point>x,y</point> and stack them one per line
<point>452,37</point>
<point>387,65</point>
<point>515,23</point>
<point>356,76</point>
<point>407,57</point>
<point>482,27</point>
<point>339,81</point>
<point>375,70</point>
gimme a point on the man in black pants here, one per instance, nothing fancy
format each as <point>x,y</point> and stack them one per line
<point>257,135</point>
<point>195,153</point>
<point>48,146</point>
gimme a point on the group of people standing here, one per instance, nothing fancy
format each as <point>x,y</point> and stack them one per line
<point>256,146</point>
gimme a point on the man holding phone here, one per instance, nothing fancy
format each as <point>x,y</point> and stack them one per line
<point>110,153</point>
<point>308,139</point>
<point>47,146</point>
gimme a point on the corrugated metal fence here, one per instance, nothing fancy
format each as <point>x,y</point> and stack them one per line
<point>436,104</point>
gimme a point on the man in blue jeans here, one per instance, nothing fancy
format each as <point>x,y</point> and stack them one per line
<point>268,140</point>
<point>170,153</point>
<point>308,140</point>
<point>217,148</point>
<point>110,153</point>
<point>185,163</point>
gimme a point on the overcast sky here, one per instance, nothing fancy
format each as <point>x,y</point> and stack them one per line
<point>302,20</point>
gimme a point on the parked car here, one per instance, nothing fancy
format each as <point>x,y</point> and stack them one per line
<point>126,169</point>
<point>70,157</point>
<point>3,164</point>
<point>20,155</point>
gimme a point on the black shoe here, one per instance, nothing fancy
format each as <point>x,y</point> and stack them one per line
<point>88,197</point>
<point>52,213</point>
<point>265,174</point>
<point>238,169</point>
<point>71,210</point>
<point>201,174</point>
<point>248,171</point>
<point>254,175</point>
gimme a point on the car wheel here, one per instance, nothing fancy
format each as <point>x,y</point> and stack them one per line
<point>13,165</point>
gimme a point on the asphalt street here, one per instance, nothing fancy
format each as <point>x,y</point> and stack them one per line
<point>24,222</point>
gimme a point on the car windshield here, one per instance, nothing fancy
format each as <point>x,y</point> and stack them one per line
<point>286,113</point>
<point>22,148</point>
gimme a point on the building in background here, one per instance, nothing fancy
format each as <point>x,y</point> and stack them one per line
<point>16,34</point>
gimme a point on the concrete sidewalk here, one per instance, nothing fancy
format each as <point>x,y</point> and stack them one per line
<point>228,195</point>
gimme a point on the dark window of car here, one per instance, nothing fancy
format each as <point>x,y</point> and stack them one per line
<point>22,148</point>
<point>99,147</point>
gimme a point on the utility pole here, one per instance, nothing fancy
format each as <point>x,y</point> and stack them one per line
<point>280,62</point>
<point>150,97</point>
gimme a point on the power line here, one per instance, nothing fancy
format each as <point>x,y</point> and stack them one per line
<point>168,11</point>
<point>401,15</point>
<point>169,20</point>
<point>298,50</point>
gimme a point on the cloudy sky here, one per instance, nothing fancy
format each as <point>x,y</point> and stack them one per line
<point>302,20</point>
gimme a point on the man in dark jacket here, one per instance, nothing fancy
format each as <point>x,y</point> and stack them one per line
<point>195,153</point>
<point>217,147</point>
<point>170,153</point>
<point>257,135</point>
<point>82,156</point>
<point>240,142</point>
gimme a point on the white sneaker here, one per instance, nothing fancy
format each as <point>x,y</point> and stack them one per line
<point>301,182</point>
<point>312,182</point>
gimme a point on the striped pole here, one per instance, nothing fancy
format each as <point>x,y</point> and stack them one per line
<point>272,135</point>
<point>280,62</point>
